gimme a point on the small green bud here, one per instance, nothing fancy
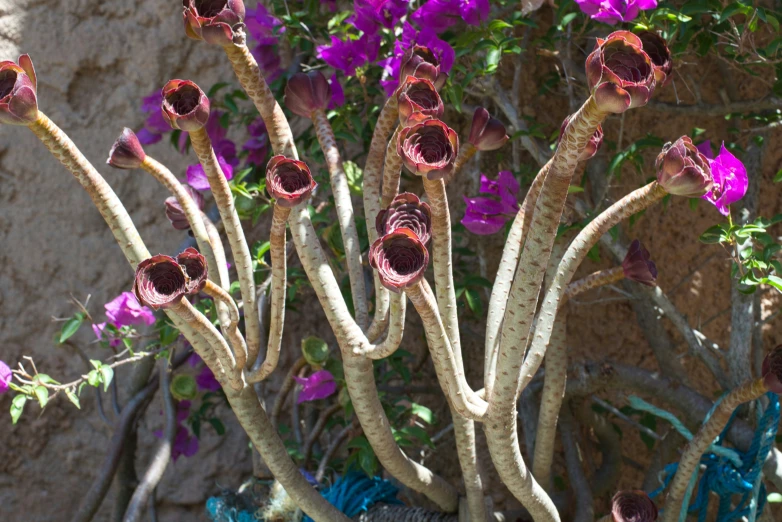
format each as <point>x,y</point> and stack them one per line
<point>183,387</point>
<point>315,351</point>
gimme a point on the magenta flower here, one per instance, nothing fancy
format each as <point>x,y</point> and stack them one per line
<point>371,15</point>
<point>262,26</point>
<point>196,177</point>
<point>437,15</point>
<point>206,380</point>
<point>705,148</point>
<point>485,215</point>
<point>337,94</point>
<point>257,146</point>
<point>125,310</point>
<point>155,126</point>
<point>613,11</point>
<point>730,181</point>
<point>100,332</point>
<point>5,377</point>
<point>319,385</point>
<point>348,55</point>
<point>185,444</point>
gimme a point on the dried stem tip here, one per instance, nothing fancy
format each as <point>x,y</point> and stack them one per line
<point>18,99</point>
<point>772,370</point>
<point>289,181</point>
<point>400,259</point>
<point>216,21</point>
<point>194,265</point>
<point>127,152</point>
<point>306,93</point>
<point>428,149</point>
<point>633,506</point>
<point>638,265</point>
<point>160,282</point>
<point>185,106</point>
<point>418,101</point>
<point>682,170</point>
<point>406,211</point>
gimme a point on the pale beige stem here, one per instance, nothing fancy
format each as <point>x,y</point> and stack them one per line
<point>392,171</point>
<point>197,226</point>
<point>224,200</point>
<point>466,152</point>
<point>347,225</point>
<point>396,329</point>
<point>594,280</point>
<point>700,443</point>
<point>233,333</point>
<point>219,252</point>
<point>278,290</point>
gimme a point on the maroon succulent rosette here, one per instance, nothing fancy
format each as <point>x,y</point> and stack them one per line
<point>406,211</point>
<point>486,133</point>
<point>185,106</point>
<point>194,265</point>
<point>428,149</point>
<point>306,93</point>
<point>175,213</point>
<point>18,98</point>
<point>127,152</point>
<point>638,265</point>
<point>633,506</point>
<point>683,170</point>
<point>422,62</point>
<point>216,21</point>
<point>400,259</point>
<point>620,74</point>
<point>594,144</point>
<point>289,181</point>
<point>657,48</point>
<point>160,282</point>
<point>772,370</point>
<point>418,101</point>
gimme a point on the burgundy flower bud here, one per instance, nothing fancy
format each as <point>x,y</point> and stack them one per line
<point>594,144</point>
<point>406,211</point>
<point>175,213</point>
<point>216,21</point>
<point>307,92</point>
<point>620,73</point>
<point>160,282</point>
<point>682,170</point>
<point>638,265</point>
<point>289,181</point>
<point>418,101</point>
<point>428,149</point>
<point>194,265</point>
<point>400,259</point>
<point>772,370</point>
<point>127,152</point>
<point>18,99</point>
<point>633,506</point>
<point>421,62</point>
<point>185,106</point>
<point>486,133</point>
<point>657,48</point>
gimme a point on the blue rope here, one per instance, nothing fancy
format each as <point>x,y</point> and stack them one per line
<point>721,474</point>
<point>355,492</point>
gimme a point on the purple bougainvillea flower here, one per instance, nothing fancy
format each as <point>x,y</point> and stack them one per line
<point>257,146</point>
<point>100,332</point>
<point>268,59</point>
<point>474,12</point>
<point>705,149</point>
<point>206,381</point>
<point>428,38</point>
<point>348,55</point>
<point>613,11</point>
<point>155,125</point>
<point>441,51</point>
<point>5,377</point>
<point>505,186</point>
<point>484,215</point>
<point>262,26</point>
<point>185,444</point>
<point>730,181</point>
<point>371,15</point>
<point>438,15</point>
<point>196,177</point>
<point>319,385</point>
<point>337,94</point>
<point>125,310</point>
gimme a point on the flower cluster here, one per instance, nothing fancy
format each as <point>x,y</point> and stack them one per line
<point>123,310</point>
<point>185,443</point>
<point>614,11</point>
<point>487,215</point>
<point>162,281</point>
<point>729,176</point>
<point>5,377</point>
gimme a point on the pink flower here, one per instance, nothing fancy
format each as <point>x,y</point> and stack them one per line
<point>337,93</point>
<point>730,181</point>
<point>206,380</point>
<point>196,177</point>
<point>125,310</point>
<point>705,149</point>
<point>319,385</point>
<point>485,216</point>
<point>348,55</point>
<point>613,11</point>
<point>371,15</point>
<point>5,377</point>
<point>102,335</point>
<point>185,444</point>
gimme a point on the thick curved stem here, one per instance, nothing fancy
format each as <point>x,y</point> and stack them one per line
<point>344,207</point>
<point>197,226</point>
<point>502,282</point>
<point>232,330</point>
<point>466,152</point>
<point>224,200</point>
<point>392,171</point>
<point>278,255</point>
<point>594,280</point>
<point>396,329</point>
<point>700,443</point>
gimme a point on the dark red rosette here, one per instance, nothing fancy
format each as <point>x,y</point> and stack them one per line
<point>160,282</point>
<point>486,133</point>
<point>194,265</point>
<point>216,21</point>
<point>18,92</point>
<point>418,101</point>
<point>428,149</point>
<point>306,93</point>
<point>683,170</point>
<point>400,259</point>
<point>289,181</point>
<point>421,62</point>
<point>185,106</point>
<point>406,211</point>
<point>657,48</point>
<point>633,506</point>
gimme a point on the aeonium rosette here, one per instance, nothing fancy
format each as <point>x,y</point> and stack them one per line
<point>421,62</point>
<point>428,149</point>
<point>620,74</point>
<point>175,213</point>
<point>656,47</point>
<point>486,133</point>
<point>185,106</point>
<point>18,99</point>
<point>127,152</point>
<point>418,101</point>
<point>682,170</point>
<point>633,506</point>
<point>289,181</point>
<point>216,21</point>
<point>306,93</point>
<point>592,146</point>
<point>400,259</point>
<point>406,211</point>
<point>638,265</point>
<point>771,371</point>
<point>194,265</point>
<point>160,282</point>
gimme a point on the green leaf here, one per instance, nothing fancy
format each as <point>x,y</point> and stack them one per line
<point>778,176</point>
<point>73,398</point>
<point>418,433</point>
<point>355,176</point>
<point>42,394</point>
<point>17,406</point>
<point>774,498</point>
<point>423,413</point>
<point>713,235</point>
<point>474,301</point>
<point>774,281</point>
<point>217,425</point>
<point>93,378</point>
<point>497,25</point>
<point>108,373</point>
<point>71,326</point>
<point>574,189</point>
